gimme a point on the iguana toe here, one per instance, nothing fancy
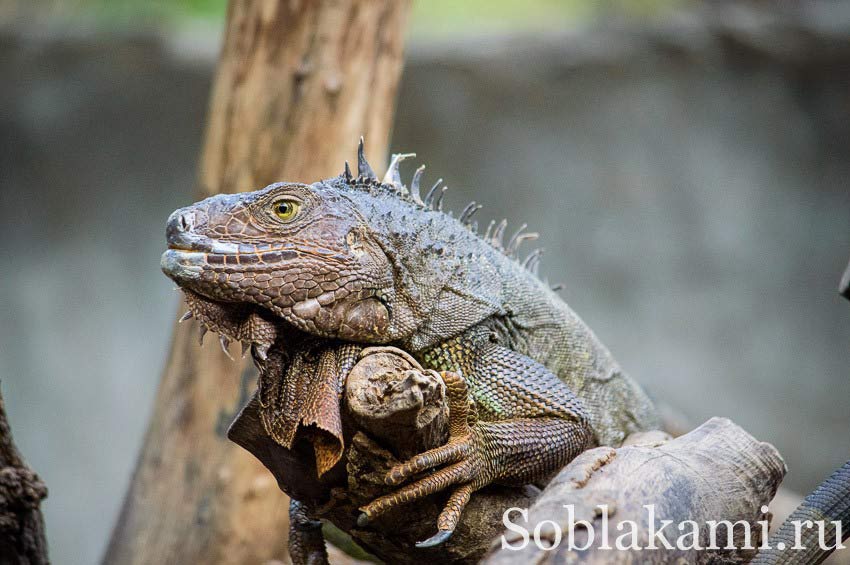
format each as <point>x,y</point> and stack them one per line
<point>452,452</point>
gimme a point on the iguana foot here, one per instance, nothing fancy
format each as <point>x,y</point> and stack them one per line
<point>467,467</point>
<point>512,451</point>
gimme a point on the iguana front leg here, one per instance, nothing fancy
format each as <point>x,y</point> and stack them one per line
<point>524,425</point>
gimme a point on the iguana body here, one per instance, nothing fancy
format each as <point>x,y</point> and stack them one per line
<point>370,262</point>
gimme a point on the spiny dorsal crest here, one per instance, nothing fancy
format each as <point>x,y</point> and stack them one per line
<point>367,181</point>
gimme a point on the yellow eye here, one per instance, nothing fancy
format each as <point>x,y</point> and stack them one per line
<point>286,210</point>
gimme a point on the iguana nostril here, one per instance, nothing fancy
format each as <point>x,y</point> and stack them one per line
<point>187,221</point>
<point>179,229</point>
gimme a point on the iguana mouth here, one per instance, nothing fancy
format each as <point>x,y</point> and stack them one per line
<point>182,265</point>
<point>201,244</point>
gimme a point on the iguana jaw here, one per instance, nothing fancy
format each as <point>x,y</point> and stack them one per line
<point>182,266</point>
<point>354,313</point>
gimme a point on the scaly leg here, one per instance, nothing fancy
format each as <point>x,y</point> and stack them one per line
<point>516,450</point>
<point>306,543</point>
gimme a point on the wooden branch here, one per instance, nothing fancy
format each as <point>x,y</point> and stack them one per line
<point>716,472</point>
<point>396,402</point>
<point>297,84</point>
<point>22,540</point>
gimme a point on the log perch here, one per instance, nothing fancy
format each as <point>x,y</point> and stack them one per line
<point>716,472</point>
<point>392,408</point>
<point>397,402</point>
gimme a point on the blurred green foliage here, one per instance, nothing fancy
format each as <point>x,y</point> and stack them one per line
<point>435,17</point>
<point>430,17</point>
<point>129,11</point>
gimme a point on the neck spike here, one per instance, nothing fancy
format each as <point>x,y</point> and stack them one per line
<point>393,176</point>
<point>498,234</point>
<point>364,170</point>
<point>468,212</point>
<point>439,205</point>
<point>392,187</point>
<point>429,198</point>
<point>414,185</point>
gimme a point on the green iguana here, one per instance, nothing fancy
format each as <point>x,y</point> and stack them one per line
<point>366,261</point>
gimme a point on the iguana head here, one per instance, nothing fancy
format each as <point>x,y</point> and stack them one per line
<point>350,257</point>
<point>297,250</point>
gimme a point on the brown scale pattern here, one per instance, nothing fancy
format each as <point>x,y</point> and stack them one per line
<point>306,544</point>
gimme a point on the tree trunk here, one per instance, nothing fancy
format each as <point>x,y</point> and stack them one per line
<point>298,83</point>
<point>22,540</point>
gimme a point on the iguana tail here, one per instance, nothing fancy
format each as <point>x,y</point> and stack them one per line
<point>830,502</point>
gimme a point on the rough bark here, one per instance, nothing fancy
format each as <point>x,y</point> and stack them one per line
<point>22,540</point>
<point>716,472</point>
<point>297,84</point>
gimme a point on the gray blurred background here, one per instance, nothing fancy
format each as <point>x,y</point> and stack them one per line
<point>686,164</point>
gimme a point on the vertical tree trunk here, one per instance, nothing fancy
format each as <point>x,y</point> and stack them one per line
<point>298,82</point>
<point>22,540</point>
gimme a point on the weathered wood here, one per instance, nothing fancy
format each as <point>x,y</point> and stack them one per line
<point>391,399</point>
<point>716,472</point>
<point>298,83</point>
<point>22,540</point>
<point>396,402</point>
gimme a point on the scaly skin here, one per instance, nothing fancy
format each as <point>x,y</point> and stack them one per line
<point>829,503</point>
<point>372,262</point>
<point>306,544</point>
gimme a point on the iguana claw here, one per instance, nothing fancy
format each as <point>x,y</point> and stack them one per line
<point>436,539</point>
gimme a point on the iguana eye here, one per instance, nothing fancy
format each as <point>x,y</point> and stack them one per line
<point>286,210</point>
